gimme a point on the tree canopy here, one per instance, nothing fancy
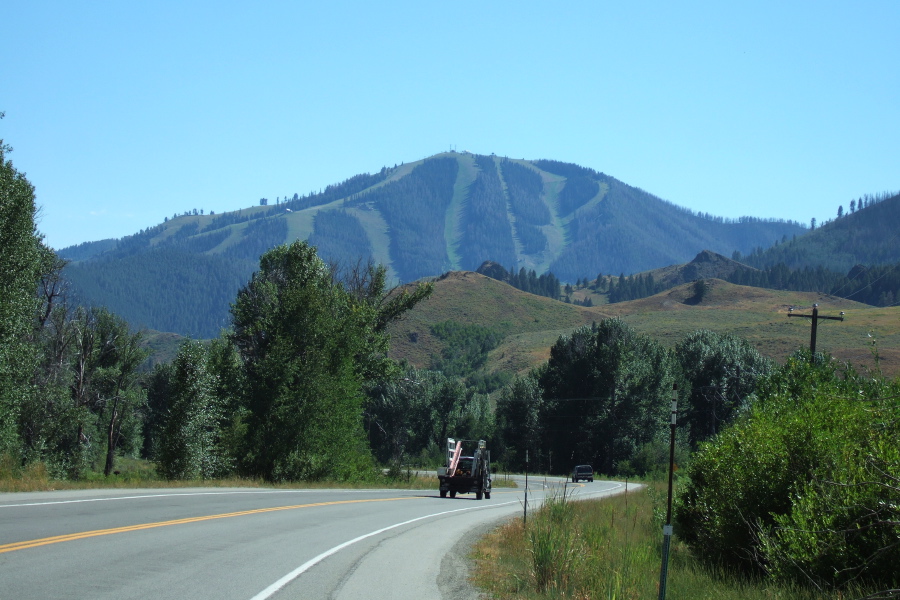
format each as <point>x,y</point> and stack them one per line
<point>20,268</point>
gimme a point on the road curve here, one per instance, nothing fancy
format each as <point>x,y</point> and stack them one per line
<point>245,544</point>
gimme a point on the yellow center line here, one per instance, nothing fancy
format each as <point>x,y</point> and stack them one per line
<point>98,532</point>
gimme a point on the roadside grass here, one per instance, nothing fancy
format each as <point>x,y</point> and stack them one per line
<point>136,473</point>
<point>502,480</point>
<point>608,548</point>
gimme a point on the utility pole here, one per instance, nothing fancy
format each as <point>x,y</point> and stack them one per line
<point>667,528</point>
<point>816,317</point>
<point>525,517</point>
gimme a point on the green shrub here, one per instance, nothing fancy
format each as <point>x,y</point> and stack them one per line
<point>804,485</point>
<point>845,524</point>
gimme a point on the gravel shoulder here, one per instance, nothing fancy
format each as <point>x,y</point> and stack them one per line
<point>457,566</point>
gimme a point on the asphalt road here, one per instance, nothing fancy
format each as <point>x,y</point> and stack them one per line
<point>248,544</point>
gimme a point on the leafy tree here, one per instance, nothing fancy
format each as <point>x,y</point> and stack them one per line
<point>86,403</point>
<point>366,284</point>
<point>298,339</point>
<point>307,345</point>
<point>48,414</point>
<point>159,388</point>
<point>606,390</point>
<point>193,441</point>
<point>520,426</point>
<point>413,415</point>
<point>20,264</point>
<point>113,388</point>
<point>722,371</point>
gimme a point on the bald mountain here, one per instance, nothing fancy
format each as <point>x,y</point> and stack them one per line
<point>448,212</point>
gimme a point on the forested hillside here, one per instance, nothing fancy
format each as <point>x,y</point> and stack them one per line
<point>176,284</point>
<point>868,234</point>
<point>486,229</point>
<point>414,209</point>
<point>452,211</point>
<point>631,230</point>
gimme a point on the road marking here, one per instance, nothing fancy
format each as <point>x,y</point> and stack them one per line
<point>98,532</point>
<point>269,591</point>
<point>12,547</point>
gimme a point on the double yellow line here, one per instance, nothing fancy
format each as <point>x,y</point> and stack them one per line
<point>98,532</point>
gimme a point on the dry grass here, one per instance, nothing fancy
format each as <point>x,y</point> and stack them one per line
<point>471,298</point>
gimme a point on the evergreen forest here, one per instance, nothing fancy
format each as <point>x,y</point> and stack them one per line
<point>866,235</point>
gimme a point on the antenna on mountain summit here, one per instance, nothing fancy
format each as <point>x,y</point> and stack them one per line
<point>815,316</point>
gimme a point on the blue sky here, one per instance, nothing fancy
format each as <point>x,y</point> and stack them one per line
<point>123,113</point>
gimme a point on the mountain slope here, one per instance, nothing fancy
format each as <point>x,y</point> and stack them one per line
<point>868,236</point>
<point>448,212</point>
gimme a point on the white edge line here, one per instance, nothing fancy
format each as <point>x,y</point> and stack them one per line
<point>235,492</point>
<point>267,593</point>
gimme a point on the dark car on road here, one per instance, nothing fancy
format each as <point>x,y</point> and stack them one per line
<point>582,472</point>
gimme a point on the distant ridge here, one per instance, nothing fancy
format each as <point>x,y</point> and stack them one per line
<point>868,235</point>
<point>706,265</point>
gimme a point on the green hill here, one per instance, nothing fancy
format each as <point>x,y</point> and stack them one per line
<point>533,323</point>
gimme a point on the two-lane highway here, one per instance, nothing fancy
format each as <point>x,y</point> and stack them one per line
<point>243,543</point>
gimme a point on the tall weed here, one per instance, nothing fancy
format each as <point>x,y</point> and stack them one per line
<point>553,543</point>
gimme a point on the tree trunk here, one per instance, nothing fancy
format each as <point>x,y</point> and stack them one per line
<point>111,441</point>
